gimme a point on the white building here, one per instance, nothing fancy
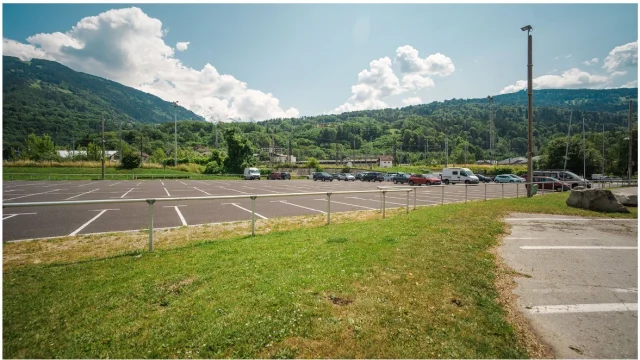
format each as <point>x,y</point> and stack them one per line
<point>281,158</point>
<point>386,161</point>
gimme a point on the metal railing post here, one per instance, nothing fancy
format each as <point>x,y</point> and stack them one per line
<point>150,202</point>
<point>485,192</point>
<point>517,190</point>
<point>465,192</point>
<point>407,202</point>
<point>503,190</point>
<point>442,202</point>
<point>415,197</point>
<point>328,208</point>
<point>384,202</point>
<point>253,215</point>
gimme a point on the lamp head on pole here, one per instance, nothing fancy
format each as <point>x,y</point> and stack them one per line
<point>527,28</point>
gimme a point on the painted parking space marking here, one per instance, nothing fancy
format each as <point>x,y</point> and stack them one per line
<point>300,206</point>
<point>184,222</point>
<point>202,191</point>
<point>88,192</point>
<point>183,183</point>
<point>582,308</point>
<point>116,183</point>
<point>162,182</point>
<point>579,247</point>
<point>138,184</point>
<point>242,192</point>
<point>125,194</point>
<point>90,221</point>
<point>337,202</point>
<point>9,216</point>
<point>20,197</point>
<point>165,189</point>
<point>247,210</point>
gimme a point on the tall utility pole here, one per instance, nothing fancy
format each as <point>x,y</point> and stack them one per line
<point>175,131</point>
<point>566,151</point>
<point>584,152</point>
<point>102,147</point>
<point>491,129</point>
<point>603,150</point>
<point>120,153</point>
<point>446,150</point>
<point>141,162</point>
<point>528,29</point>
<point>509,151</point>
<point>630,164</point>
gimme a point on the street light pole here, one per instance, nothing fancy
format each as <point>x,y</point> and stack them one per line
<point>491,129</point>
<point>630,164</point>
<point>120,154</point>
<point>102,147</point>
<point>528,29</point>
<point>175,131</point>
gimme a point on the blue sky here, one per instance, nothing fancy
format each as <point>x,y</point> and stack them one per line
<point>309,56</point>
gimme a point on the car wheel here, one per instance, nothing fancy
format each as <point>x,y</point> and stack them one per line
<point>331,180</point>
<point>466,182</point>
<point>395,181</point>
<point>410,182</point>
<point>446,181</point>
<point>511,181</point>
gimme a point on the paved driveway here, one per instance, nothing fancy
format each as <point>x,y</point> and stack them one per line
<point>582,294</point>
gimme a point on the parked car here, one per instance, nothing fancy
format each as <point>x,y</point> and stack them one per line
<point>274,176</point>
<point>516,178</point>
<point>373,176</point>
<point>389,176</point>
<point>324,176</point>
<point>401,178</point>
<point>484,179</point>
<point>549,183</point>
<point>335,175</point>
<point>251,173</point>
<point>285,175</point>
<point>417,179</point>
<point>432,179</point>
<point>504,178</point>
<point>458,175</point>
<point>564,175</point>
<point>346,177</point>
<point>359,175</point>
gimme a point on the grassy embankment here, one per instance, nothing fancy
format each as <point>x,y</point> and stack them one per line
<point>422,285</point>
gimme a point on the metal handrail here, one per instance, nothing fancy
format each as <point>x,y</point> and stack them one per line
<point>152,201</point>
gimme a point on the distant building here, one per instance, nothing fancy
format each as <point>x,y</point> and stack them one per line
<point>65,154</point>
<point>519,160</point>
<point>485,162</point>
<point>282,158</point>
<point>385,161</point>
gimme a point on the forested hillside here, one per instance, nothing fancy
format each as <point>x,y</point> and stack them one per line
<point>42,96</point>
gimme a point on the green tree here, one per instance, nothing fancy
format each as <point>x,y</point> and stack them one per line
<point>158,156</point>
<point>131,160</point>
<point>94,152</point>
<point>240,151</point>
<point>40,148</point>
<point>554,152</point>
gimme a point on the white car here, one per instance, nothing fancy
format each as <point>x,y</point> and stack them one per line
<point>346,177</point>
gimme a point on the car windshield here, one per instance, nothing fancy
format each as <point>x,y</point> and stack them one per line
<point>325,173</point>
<point>466,172</point>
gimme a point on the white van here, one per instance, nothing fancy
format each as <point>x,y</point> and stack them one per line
<point>251,173</point>
<point>458,175</point>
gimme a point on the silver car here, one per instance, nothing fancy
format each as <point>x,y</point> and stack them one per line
<point>346,177</point>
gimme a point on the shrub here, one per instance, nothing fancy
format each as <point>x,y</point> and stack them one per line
<point>213,167</point>
<point>346,169</point>
<point>131,160</point>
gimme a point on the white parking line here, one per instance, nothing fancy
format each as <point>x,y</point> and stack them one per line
<point>579,247</point>
<point>242,192</point>
<point>278,192</point>
<point>125,194</point>
<point>73,197</point>
<point>182,183</point>
<point>337,202</point>
<point>138,184</point>
<point>202,191</point>
<point>116,183</point>
<point>580,308</point>
<point>162,182</point>
<point>20,197</point>
<point>184,222</point>
<point>90,221</point>
<point>9,216</point>
<point>247,210</point>
<point>165,189</point>
<point>300,206</point>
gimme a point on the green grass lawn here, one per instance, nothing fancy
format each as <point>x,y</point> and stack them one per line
<point>410,286</point>
<point>84,173</point>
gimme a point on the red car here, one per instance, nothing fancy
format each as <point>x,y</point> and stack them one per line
<point>432,179</point>
<point>417,179</point>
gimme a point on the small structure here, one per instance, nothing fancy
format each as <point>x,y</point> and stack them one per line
<point>282,158</point>
<point>385,161</point>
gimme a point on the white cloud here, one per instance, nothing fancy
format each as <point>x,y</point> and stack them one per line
<point>412,101</point>
<point>572,78</point>
<point>183,45</point>
<point>622,56</point>
<point>127,46</point>
<point>630,84</point>
<point>379,81</point>
<point>591,62</point>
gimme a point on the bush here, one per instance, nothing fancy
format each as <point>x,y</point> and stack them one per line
<point>213,167</point>
<point>346,169</point>
<point>131,160</point>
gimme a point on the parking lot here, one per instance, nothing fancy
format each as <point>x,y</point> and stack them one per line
<point>55,221</point>
<point>580,290</point>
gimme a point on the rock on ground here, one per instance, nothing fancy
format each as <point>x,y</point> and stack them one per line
<point>595,199</point>
<point>627,199</point>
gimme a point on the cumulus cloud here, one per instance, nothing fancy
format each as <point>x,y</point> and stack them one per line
<point>630,84</point>
<point>571,79</point>
<point>591,62</point>
<point>182,46</point>
<point>127,46</point>
<point>379,80</point>
<point>621,57</point>
<point>412,101</point>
